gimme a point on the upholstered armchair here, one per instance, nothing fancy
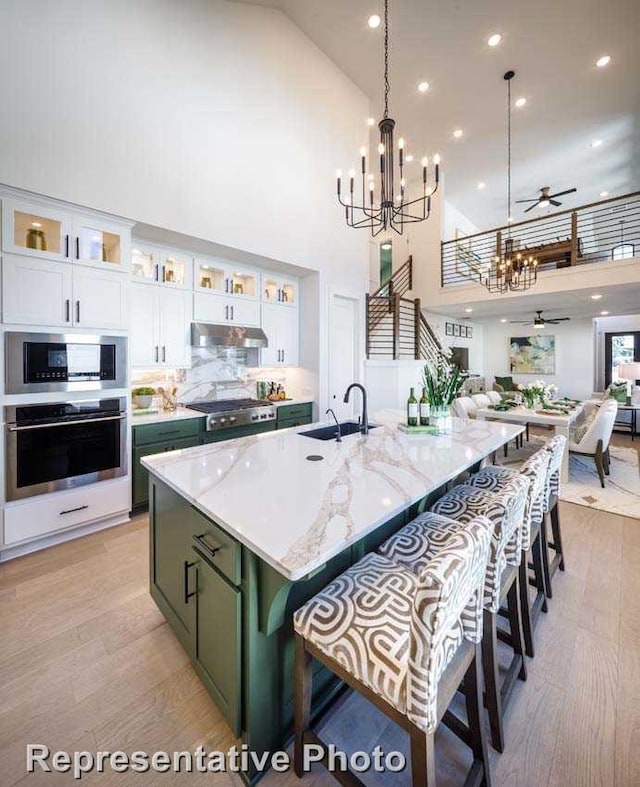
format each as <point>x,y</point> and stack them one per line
<point>592,438</point>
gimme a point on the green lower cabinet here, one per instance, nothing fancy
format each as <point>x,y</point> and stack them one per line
<point>217,639</point>
<point>289,415</point>
<point>140,490</point>
<point>237,431</point>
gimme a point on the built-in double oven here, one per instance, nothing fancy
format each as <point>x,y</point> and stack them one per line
<point>64,444</point>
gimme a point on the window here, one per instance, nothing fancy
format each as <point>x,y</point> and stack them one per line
<point>386,261</point>
<point>620,348</point>
<point>623,251</point>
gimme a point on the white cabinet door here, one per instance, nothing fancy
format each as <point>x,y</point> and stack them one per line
<point>210,308</point>
<point>243,312</point>
<point>144,343</point>
<point>175,328</point>
<point>270,355</point>
<point>288,336</point>
<point>99,299</point>
<point>101,243</point>
<point>36,230</point>
<point>36,292</point>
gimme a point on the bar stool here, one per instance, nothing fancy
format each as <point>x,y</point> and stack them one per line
<point>414,544</point>
<point>405,642</point>
<point>498,479</point>
<point>556,448</point>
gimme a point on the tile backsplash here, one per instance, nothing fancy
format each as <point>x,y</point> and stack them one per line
<point>224,373</point>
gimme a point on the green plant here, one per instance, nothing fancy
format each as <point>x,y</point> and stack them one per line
<point>143,390</point>
<point>443,382</point>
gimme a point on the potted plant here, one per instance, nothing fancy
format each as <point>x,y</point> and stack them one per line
<point>143,396</point>
<point>618,391</point>
<point>443,383</point>
<point>537,393</point>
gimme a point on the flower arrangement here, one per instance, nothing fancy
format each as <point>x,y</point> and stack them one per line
<point>538,391</point>
<point>442,381</point>
<point>618,391</point>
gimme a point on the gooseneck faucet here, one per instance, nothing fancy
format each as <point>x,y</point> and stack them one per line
<point>338,435</point>
<point>364,423</point>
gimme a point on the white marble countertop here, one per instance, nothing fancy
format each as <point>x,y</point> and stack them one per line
<point>184,412</point>
<point>297,514</point>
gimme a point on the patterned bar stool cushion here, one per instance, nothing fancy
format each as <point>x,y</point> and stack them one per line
<point>396,631</point>
<point>506,512</point>
<point>498,479</point>
<point>555,446</point>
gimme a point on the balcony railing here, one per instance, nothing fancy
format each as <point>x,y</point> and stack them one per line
<point>600,232</point>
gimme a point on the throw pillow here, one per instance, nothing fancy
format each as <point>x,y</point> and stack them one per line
<point>506,383</point>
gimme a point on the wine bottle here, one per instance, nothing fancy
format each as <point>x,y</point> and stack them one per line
<point>412,409</point>
<point>424,408</point>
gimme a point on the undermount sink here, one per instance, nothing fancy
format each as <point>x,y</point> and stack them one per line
<point>330,432</point>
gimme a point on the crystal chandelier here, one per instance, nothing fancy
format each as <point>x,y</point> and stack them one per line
<point>391,208</point>
<point>511,270</point>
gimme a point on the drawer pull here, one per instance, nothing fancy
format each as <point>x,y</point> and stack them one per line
<point>167,434</point>
<point>209,549</point>
<point>187,594</point>
<point>72,510</point>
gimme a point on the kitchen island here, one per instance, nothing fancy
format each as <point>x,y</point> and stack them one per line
<point>244,532</point>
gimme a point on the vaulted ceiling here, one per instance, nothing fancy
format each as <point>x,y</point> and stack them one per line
<point>551,44</point>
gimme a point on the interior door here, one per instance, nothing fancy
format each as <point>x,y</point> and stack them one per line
<point>343,356</point>
<point>36,292</point>
<point>99,299</point>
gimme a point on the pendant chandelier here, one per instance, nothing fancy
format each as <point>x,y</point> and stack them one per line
<point>511,270</point>
<point>390,208</point>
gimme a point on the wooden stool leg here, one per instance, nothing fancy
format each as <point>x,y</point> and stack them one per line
<point>525,606</point>
<point>303,686</point>
<point>515,624</point>
<point>423,766</point>
<point>557,535</point>
<point>491,680</point>
<point>477,737</point>
<point>545,556</point>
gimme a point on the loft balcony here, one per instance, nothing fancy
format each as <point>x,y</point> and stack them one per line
<point>593,245</point>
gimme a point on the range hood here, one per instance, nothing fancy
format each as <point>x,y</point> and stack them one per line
<point>204,334</point>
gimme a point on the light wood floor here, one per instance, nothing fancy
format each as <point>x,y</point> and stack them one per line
<point>87,662</point>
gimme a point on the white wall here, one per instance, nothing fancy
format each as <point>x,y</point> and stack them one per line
<point>218,120</point>
<point>453,219</point>
<point>475,344</point>
<point>574,355</point>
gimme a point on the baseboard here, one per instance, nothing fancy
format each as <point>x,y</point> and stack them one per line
<point>9,553</point>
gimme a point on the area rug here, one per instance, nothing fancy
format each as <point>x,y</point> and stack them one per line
<point>621,494</point>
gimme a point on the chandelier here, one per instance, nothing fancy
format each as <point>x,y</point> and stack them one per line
<point>512,269</point>
<point>391,208</point>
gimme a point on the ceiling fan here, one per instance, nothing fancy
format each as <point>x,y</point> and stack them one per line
<point>545,199</point>
<point>539,321</point>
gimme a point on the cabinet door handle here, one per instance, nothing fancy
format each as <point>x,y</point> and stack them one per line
<point>232,317</point>
<point>66,245</point>
<point>157,353</point>
<point>283,356</point>
<point>77,248</point>
<point>67,310</point>
<point>164,273</point>
<point>187,595</point>
<point>211,551</point>
<point>164,353</point>
<point>78,312</point>
<point>280,295</point>
<point>156,268</point>
<point>72,510</point>
<point>226,312</point>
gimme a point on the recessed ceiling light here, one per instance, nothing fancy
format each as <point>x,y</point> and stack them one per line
<point>596,143</point>
<point>373,21</point>
<point>495,39</point>
<point>481,185</point>
<point>603,61</point>
<point>423,87</point>
<point>604,193</point>
<point>371,121</point>
<point>458,133</point>
<point>520,102</point>
<point>36,224</point>
<point>504,319</point>
<point>596,296</point>
<point>468,310</point>
<point>604,314</point>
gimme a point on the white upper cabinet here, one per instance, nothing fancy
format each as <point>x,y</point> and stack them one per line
<point>52,233</point>
<point>39,292</point>
<point>158,265</point>
<point>217,309</point>
<point>160,326</point>
<point>281,328</point>
<point>145,262</point>
<point>36,230</point>
<point>279,290</point>
<point>222,278</point>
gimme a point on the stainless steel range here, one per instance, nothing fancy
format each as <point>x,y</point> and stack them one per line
<point>234,412</point>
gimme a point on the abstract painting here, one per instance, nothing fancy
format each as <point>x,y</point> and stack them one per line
<point>532,354</point>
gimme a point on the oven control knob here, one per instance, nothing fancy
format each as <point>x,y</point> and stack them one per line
<point>255,417</point>
<point>223,421</point>
<point>233,419</point>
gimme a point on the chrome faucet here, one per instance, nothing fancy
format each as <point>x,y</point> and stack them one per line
<point>364,423</point>
<point>338,435</point>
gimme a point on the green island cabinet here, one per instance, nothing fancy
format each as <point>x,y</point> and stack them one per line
<point>293,415</point>
<point>233,614</point>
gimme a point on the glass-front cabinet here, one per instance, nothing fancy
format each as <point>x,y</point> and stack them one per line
<point>279,290</point>
<point>145,262</point>
<point>101,243</point>
<point>222,279</point>
<point>157,265</point>
<point>176,269</point>
<point>36,230</point>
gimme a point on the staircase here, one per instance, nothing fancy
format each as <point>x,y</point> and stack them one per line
<point>396,327</point>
